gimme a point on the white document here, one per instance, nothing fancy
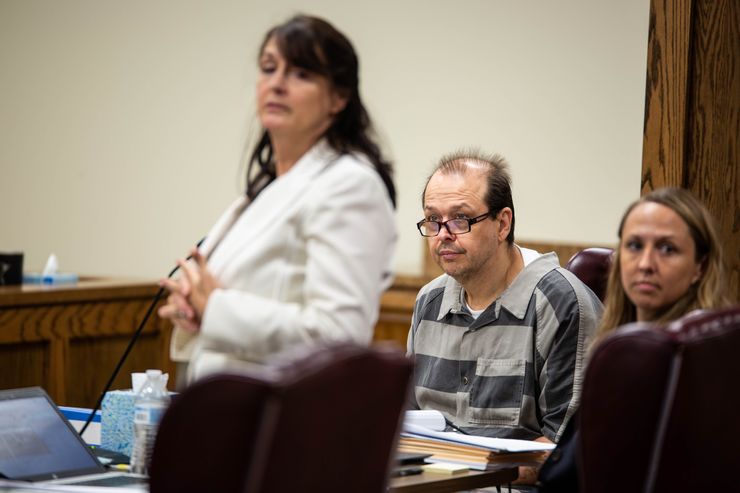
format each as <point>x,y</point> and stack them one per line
<point>430,419</point>
<point>495,444</point>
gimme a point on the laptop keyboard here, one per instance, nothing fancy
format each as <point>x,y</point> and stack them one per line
<point>111,481</point>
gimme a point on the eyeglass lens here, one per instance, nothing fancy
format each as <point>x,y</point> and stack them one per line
<point>454,226</point>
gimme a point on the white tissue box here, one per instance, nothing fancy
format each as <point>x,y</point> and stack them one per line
<point>117,421</point>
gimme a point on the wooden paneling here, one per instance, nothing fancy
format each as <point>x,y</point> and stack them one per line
<point>692,113</point>
<point>713,156</point>
<point>665,94</point>
<point>68,339</point>
<point>396,308</point>
<point>81,383</point>
<point>28,357</point>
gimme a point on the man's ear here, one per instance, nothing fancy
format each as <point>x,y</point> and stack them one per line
<point>504,225</point>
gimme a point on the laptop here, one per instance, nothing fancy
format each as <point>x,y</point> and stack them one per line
<point>38,444</point>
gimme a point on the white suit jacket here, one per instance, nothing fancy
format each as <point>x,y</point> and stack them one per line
<point>305,262</point>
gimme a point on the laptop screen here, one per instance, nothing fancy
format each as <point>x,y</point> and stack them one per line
<point>36,442</point>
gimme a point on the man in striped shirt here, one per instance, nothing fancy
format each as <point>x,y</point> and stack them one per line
<point>499,339</point>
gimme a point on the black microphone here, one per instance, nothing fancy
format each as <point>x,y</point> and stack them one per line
<point>131,343</point>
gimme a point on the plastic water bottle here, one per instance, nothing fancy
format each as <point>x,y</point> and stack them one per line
<point>149,406</point>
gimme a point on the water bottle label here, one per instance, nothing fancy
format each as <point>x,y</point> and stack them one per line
<point>155,414</point>
<point>148,415</point>
<point>142,416</point>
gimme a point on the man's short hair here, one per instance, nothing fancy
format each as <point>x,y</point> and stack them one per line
<point>498,191</point>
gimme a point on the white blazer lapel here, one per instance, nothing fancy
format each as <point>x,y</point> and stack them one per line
<point>271,207</point>
<point>224,223</point>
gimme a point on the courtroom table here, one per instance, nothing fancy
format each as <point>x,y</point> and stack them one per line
<point>428,482</point>
<point>68,338</point>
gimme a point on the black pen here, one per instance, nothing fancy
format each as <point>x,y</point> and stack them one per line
<point>409,471</point>
<point>459,430</point>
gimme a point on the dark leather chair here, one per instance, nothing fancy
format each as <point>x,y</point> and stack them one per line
<point>591,266</point>
<point>660,407</point>
<point>206,438</point>
<point>326,420</point>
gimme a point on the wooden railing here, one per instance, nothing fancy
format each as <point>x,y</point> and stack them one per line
<point>67,339</point>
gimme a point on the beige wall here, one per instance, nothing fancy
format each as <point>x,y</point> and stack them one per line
<point>123,123</point>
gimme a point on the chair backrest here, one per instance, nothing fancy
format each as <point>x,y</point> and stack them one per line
<point>591,266</point>
<point>659,407</point>
<point>206,438</point>
<point>325,420</point>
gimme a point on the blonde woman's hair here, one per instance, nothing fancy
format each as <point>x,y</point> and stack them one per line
<point>709,292</point>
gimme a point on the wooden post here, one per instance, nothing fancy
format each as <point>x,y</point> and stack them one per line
<point>692,110</point>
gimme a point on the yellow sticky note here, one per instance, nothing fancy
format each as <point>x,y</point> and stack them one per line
<point>445,468</point>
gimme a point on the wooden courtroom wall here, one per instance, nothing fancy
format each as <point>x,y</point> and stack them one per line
<point>691,126</point>
<point>692,110</point>
<point>68,339</point>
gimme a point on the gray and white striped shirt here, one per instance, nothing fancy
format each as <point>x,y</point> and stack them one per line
<point>516,371</point>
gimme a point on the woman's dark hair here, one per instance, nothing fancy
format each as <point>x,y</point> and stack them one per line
<point>315,45</point>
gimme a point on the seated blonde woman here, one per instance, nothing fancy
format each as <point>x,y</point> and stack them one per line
<point>669,262</point>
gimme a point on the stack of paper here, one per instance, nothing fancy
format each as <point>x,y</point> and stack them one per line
<point>425,418</point>
<point>476,452</point>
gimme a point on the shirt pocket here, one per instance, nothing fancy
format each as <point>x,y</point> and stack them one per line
<point>496,392</point>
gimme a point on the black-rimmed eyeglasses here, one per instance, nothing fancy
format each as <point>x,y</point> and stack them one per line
<point>456,226</point>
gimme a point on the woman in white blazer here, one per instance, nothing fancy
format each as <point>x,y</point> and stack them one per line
<point>305,255</point>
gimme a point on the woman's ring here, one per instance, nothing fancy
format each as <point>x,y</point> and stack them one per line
<point>180,314</point>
